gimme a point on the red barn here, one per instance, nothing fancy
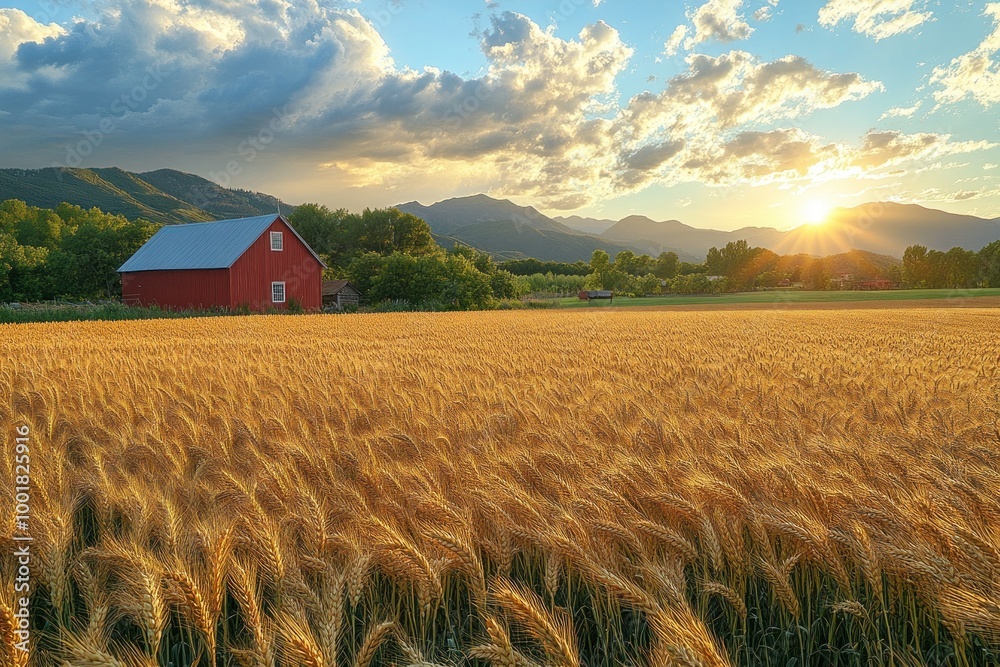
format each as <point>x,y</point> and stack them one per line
<point>257,263</point>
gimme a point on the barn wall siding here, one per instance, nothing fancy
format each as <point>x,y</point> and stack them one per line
<point>177,290</point>
<point>252,274</point>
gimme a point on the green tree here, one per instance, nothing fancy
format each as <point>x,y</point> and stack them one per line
<point>961,268</point>
<point>599,261</point>
<point>550,284</point>
<point>688,268</point>
<point>715,262</point>
<point>694,283</point>
<point>30,279</point>
<point>916,271</point>
<point>506,285</point>
<point>341,237</point>
<point>10,256</point>
<point>768,279</point>
<point>989,265</point>
<point>437,280</point>
<point>816,275</point>
<point>388,231</point>
<point>23,274</point>
<point>666,265</point>
<point>732,261</point>
<point>402,277</point>
<point>649,284</point>
<point>481,260</point>
<point>319,227</point>
<point>11,212</point>
<point>503,284</point>
<point>626,261</point>
<point>606,275</point>
<point>40,228</point>
<point>530,266</point>
<point>87,260</point>
<point>362,272</point>
<point>465,287</point>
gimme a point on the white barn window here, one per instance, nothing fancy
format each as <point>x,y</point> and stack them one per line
<point>278,292</point>
<point>277,241</point>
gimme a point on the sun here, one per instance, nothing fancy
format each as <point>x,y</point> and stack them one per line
<point>816,212</point>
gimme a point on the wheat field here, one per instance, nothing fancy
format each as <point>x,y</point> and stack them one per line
<point>509,488</point>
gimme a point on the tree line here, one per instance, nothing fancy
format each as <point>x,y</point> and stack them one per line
<point>393,259</point>
<point>955,269</point>
<point>73,253</point>
<point>740,267</point>
<point>64,253</point>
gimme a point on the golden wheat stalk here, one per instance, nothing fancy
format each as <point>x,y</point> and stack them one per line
<point>729,595</point>
<point>777,577</point>
<point>468,561</point>
<point>499,651</point>
<point>245,588</point>
<point>374,638</point>
<point>554,632</point>
<point>297,645</point>
<point>681,639</point>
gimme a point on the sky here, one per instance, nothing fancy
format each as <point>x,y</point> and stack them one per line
<point>720,113</point>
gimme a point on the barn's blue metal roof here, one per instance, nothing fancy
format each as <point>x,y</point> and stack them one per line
<point>199,245</point>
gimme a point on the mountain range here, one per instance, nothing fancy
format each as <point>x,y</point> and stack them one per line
<point>884,228</point>
<point>503,228</point>
<point>509,231</point>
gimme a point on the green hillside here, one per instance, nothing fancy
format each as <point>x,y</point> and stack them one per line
<point>165,196</point>
<point>222,203</point>
<point>112,190</point>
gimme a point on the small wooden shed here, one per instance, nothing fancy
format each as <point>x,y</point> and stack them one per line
<point>340,293</point>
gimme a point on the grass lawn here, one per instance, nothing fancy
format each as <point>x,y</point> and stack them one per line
<point>784,296</point>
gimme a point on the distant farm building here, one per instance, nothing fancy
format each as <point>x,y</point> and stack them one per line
<point>340,293</point>
<point>591,295</point>
<point>258,263</point>
<point>878,284</point>
<point>842,281</point>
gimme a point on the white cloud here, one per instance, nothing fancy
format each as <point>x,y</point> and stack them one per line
<point>766,13</point>
<point>791,155</point>
<point>16,28</point>
<point>736,88</point>
<point>706,117</point>
<point>975,74</point>
<point>875,18</point>
<point>942,196</point>
<point>542,121</point>
<point>887,149</point>
<point>718,20</point>
<point>901,112</point>
<point>675,41</point>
